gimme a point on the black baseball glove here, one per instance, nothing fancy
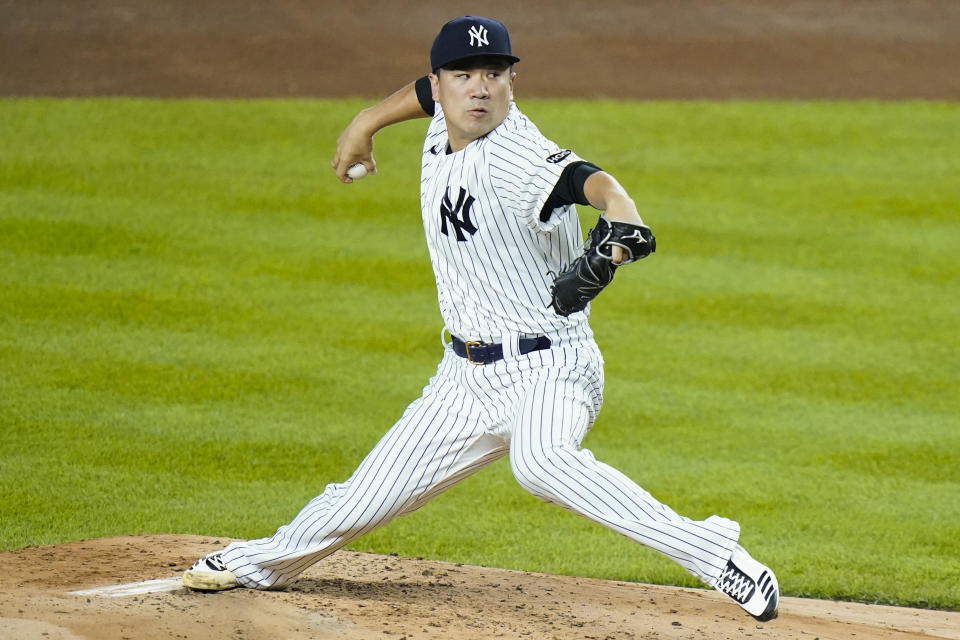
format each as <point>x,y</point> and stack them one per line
<point>583,280</point>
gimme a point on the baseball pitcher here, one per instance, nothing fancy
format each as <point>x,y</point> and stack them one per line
<point>520,374</point>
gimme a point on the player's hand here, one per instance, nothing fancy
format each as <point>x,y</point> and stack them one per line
<point>355,145</point>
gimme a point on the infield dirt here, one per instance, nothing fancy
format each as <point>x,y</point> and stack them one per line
<point>883,49</point>
<point>366,596</point>
<point>887,49</point>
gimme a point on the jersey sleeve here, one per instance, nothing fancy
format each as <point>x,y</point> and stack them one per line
<point>525,169</point>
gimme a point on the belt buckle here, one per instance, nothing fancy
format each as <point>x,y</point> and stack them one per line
<point>467,345</point>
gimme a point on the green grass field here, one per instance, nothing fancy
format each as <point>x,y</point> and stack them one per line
<point>201,328</point>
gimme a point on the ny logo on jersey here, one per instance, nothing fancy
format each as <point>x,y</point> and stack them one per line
<point>478,36</point>
<point>458,216</point>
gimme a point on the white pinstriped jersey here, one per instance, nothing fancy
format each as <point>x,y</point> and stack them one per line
<point>493,258</point>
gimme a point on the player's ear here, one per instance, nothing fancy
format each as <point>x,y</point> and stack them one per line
<point>513,77</point>
<point>435,86</point>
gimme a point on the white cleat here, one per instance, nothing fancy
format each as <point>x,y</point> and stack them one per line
<point>210,574</point>
<point>751,585</point>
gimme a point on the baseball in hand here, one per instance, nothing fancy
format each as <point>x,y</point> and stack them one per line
<point>357,171</point>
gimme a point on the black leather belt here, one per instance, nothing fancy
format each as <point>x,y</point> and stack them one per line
<point>481,353</point>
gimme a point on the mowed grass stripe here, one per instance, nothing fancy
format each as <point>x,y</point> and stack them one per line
<point>201,328</point>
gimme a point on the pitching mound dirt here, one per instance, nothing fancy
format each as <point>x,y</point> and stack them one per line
<point>366,596</point>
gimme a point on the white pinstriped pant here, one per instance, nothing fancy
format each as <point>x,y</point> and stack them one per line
<point>537,408</point>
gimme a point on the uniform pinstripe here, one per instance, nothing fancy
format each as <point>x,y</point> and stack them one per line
<point>493,258</point>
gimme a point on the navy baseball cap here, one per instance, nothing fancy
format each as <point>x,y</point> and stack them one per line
<point>470,36</point>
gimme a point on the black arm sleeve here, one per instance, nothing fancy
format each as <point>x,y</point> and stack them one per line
<point>569,188</point>
<point>425,95</point>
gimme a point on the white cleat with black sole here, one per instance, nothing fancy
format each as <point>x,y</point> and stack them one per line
<point>751,585</point>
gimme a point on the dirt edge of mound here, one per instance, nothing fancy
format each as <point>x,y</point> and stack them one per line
<point>362,595</point>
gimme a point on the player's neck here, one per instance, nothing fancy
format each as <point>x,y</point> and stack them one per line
<point>457,144</point>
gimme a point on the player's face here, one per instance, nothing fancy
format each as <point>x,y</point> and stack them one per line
<point>474,101</point>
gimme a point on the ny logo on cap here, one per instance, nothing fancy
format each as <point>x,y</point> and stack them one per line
<point>478,36</point>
